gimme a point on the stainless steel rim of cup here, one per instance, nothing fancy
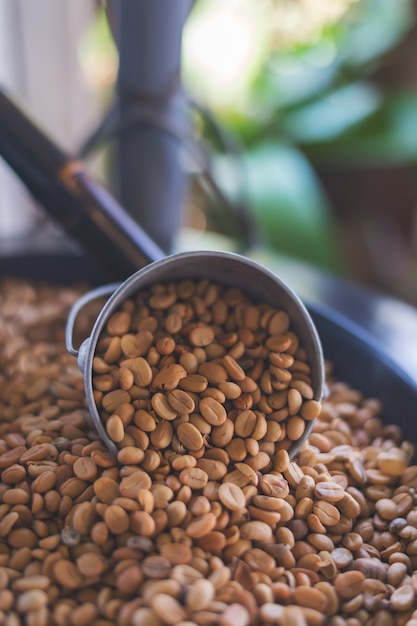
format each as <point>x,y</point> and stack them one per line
<point>223,267</point>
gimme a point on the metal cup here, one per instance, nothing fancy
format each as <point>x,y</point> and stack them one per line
<point>222,267</point>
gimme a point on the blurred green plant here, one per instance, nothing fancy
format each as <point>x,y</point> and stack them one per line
<point>296,99</point>
<point>289,85</point>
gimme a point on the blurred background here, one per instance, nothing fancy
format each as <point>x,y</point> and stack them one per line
<point>301,134</point>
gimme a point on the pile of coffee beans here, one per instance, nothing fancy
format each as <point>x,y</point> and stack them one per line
<point>174,534</point>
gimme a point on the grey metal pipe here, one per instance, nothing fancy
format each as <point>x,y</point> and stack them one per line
<point>149,180</point>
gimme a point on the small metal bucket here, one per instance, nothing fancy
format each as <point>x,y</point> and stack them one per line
<point>222,267</point>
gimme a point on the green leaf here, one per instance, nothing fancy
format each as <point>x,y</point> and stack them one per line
<point>333,114</point>
<point>292,78</point>
<point>389,137</point>
<point>376,27</point>
<point>289,205</point>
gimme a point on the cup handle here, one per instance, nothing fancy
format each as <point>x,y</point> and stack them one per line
<point>94,294</point>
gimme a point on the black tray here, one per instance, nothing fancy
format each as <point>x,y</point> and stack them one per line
<point>359,360</point>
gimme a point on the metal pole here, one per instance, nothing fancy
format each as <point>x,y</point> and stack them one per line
<point>149,180</point>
